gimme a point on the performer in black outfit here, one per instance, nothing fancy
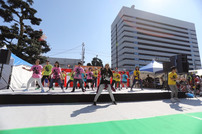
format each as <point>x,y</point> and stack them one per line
<point>106,75</point>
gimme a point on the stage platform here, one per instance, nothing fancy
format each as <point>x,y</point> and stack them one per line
<point>57,96</point>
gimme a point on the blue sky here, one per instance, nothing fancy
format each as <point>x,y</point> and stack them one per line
<point>68,23</point>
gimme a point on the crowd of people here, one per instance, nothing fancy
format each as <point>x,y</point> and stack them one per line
<point>88,78</point>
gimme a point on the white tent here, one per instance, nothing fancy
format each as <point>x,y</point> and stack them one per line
<point>153,67</point>
<point>197,72</point>
<point>13,74</point>
<point>19,76</point>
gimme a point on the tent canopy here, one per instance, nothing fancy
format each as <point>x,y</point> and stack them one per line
<point>197,72</point>
<point>19,61</point>
<point>154,67</point>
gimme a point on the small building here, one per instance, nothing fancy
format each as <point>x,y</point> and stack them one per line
<point>64,62</point>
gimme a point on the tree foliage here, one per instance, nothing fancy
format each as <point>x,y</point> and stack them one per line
<point>96,62</point>
<point>20,37</point>
<point>89,64</point>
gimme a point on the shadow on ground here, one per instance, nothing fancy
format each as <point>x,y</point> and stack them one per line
<point>88,109</point>
<point>187,101</point>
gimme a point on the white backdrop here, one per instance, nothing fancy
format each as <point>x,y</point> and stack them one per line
<point>20,77</point>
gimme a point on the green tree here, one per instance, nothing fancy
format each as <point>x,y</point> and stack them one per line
<point>89,64</point>
<point>96,62</point>
<point>20,37</point>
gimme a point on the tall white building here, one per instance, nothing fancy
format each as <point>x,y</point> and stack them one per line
<point>138,37</point>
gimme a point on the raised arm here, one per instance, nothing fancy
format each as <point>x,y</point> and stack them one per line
<point>26,69</point>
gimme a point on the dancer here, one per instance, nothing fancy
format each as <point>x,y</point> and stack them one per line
<point>172,77</point>
<point>114,79</point>
<point>136,75</point>
<point>118,80</point>
<point>46,73</point>
<point>95,76</point>
<point>64,74</point>
<point>124,80</point>
<point>106,75</point>
<point>84,79</point>
<point>89,78</point>
<point>71,78</point>
<point>77,77</point>
<point>57,75</point>
<point>37,68</point>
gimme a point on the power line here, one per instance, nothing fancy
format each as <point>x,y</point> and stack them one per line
<point>61,52</point>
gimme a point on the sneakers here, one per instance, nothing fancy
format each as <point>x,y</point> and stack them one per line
<point>25,90</point>
<point>177,100</point>
<point>42,91</point>
<point>172,100</point>
<point>114,102</point>
<point>63,90</point>
<point>37,88</point>
<point>94,103</point>
<point>52,88</point>
<point>48,90</point>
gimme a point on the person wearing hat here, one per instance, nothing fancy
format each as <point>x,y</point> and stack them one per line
<point>46,73</point>
<point>78,77</point>
<point>136,77</point>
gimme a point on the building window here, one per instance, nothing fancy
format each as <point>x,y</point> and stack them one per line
<point>136,58</point>
<point>136,48</point>
<point>136,53</point>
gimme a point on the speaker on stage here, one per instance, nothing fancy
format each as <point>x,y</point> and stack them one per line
<point>167,66</point>
<point>180,62</point>
<point>5,56</point>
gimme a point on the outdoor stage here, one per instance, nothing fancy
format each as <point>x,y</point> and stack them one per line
<point>57,96</point>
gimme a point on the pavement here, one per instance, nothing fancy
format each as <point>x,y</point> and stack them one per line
<point>37,115</point>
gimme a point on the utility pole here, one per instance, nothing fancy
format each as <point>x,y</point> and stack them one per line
<point>83,54</point>
<point>96,60</point>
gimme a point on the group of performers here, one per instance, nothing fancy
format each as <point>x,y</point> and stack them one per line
<point>78,74</point>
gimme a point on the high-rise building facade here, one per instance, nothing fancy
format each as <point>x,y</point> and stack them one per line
<point>138,37</point>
